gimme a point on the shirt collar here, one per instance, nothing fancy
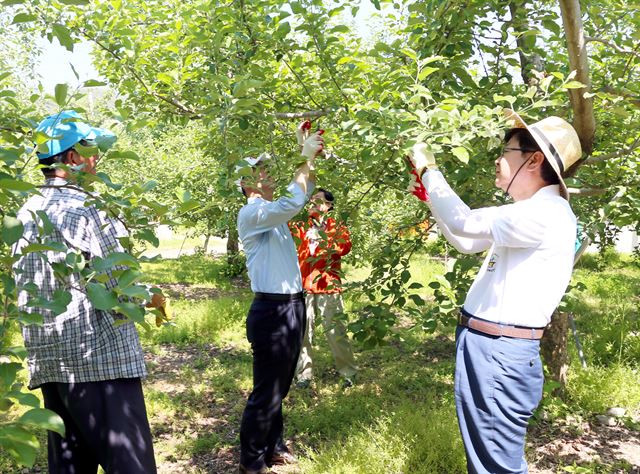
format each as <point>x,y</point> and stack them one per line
<point>254,199</point>
<point>547,191</point>
<point>56,181</point>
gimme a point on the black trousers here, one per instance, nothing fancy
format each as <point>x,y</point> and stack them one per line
<point>106,424</point>
<point>275,330</point>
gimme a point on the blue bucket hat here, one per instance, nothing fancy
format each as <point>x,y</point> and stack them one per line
<point>67,128</point>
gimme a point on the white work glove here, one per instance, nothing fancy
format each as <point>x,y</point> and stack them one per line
<point>313,145</point>
<point>422,158</point>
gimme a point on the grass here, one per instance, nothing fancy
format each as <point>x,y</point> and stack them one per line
<point>398,418</point>
<point>190,269</point>
<point>219,321</point>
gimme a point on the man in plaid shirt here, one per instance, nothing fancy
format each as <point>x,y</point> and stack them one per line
<point>88,368</point>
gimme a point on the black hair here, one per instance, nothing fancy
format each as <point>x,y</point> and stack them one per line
<point>50,161</point>
<point>528,143</point>
<point>328,196</point>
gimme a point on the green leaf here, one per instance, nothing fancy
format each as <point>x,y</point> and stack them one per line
<point>24,451</point>
<point>284,28</point>
<point>114,259</point>
<point>64,36</point>
<point>461,153</point>
<point>93,83</point>
<point>504,98</point>
<point>12,229</point>
<point>100,297</point>
<point>24,18</point>
<point>426,72</point>
<point>43,418</point>
<point>18,351</point>
<point>15,185</point>
<point>30,318</point>
<point>46,224</point>
<point>132,311</point>
<point>27,399</point>
<point>123,155</point>
<point>9,156</point>
<point>8,283</point>
<point>135,291</point>
<point>48,247</point>
<point>297,8</point>
<point>574,85</point>
<point>417,300</point>
<point>107,180</point>
<point>410,52</point>
<point>188,206</point>
<point>8,371</point>
<point>128,277</point>
<point>61,94</point>
<point>74,2</point>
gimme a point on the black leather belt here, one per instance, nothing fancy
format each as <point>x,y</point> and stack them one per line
<point>495,329</point>
<point>278,296</point>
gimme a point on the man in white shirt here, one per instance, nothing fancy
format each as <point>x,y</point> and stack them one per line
<point>530,243</point>
<point>276,319</point>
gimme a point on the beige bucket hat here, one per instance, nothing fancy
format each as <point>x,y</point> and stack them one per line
<point>558,141</point>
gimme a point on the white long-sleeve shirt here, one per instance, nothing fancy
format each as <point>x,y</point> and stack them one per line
<point>272,260</point>
<point>531,248</point>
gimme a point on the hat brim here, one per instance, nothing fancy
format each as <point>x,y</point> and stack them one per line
<point>520,123</point>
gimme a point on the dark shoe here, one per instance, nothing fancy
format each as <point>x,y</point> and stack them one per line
<point>282,459</point>
<point>244,470</point>
<point>305,383</point>
<point>348,382</point>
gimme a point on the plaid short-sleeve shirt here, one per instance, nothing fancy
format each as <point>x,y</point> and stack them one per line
<point>82,344</point>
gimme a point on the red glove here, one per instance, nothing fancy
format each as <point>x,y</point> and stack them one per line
<point>416,187</point>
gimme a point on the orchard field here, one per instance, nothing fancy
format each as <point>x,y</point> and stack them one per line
<point>191,87</point>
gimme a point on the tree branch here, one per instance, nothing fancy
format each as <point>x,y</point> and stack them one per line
<point>304,115</point>
<point>593,39</point>
<point>301,83</point>
<point>582,192</point>
<point>170,100</point>
<point>333,79</point>
<point>600,158</point>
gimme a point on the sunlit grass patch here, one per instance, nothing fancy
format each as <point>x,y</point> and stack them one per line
<point>220,321</point>
<point>595,389</point>
<point>193,269</point>
<point>411,438</point>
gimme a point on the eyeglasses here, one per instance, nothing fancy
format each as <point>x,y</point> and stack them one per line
<point>523,150</point>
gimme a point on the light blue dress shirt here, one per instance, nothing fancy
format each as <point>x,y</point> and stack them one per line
<point>272,259</point>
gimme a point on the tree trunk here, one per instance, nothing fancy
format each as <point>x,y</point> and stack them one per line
<point>206,244</point>
<point>554,349</point>
<point>232,243</point>
<point>583,118</point>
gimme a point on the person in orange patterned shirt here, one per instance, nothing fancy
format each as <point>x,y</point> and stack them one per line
<point>322,244</point>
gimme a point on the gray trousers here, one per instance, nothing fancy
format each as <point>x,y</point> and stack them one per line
<point>326,306</point>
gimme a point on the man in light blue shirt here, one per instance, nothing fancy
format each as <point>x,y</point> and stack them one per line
<point>276,319</point>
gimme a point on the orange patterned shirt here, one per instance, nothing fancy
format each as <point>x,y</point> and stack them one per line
<point>320,249</point>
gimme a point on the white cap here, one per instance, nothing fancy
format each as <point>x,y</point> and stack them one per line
<point>251,162</point>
